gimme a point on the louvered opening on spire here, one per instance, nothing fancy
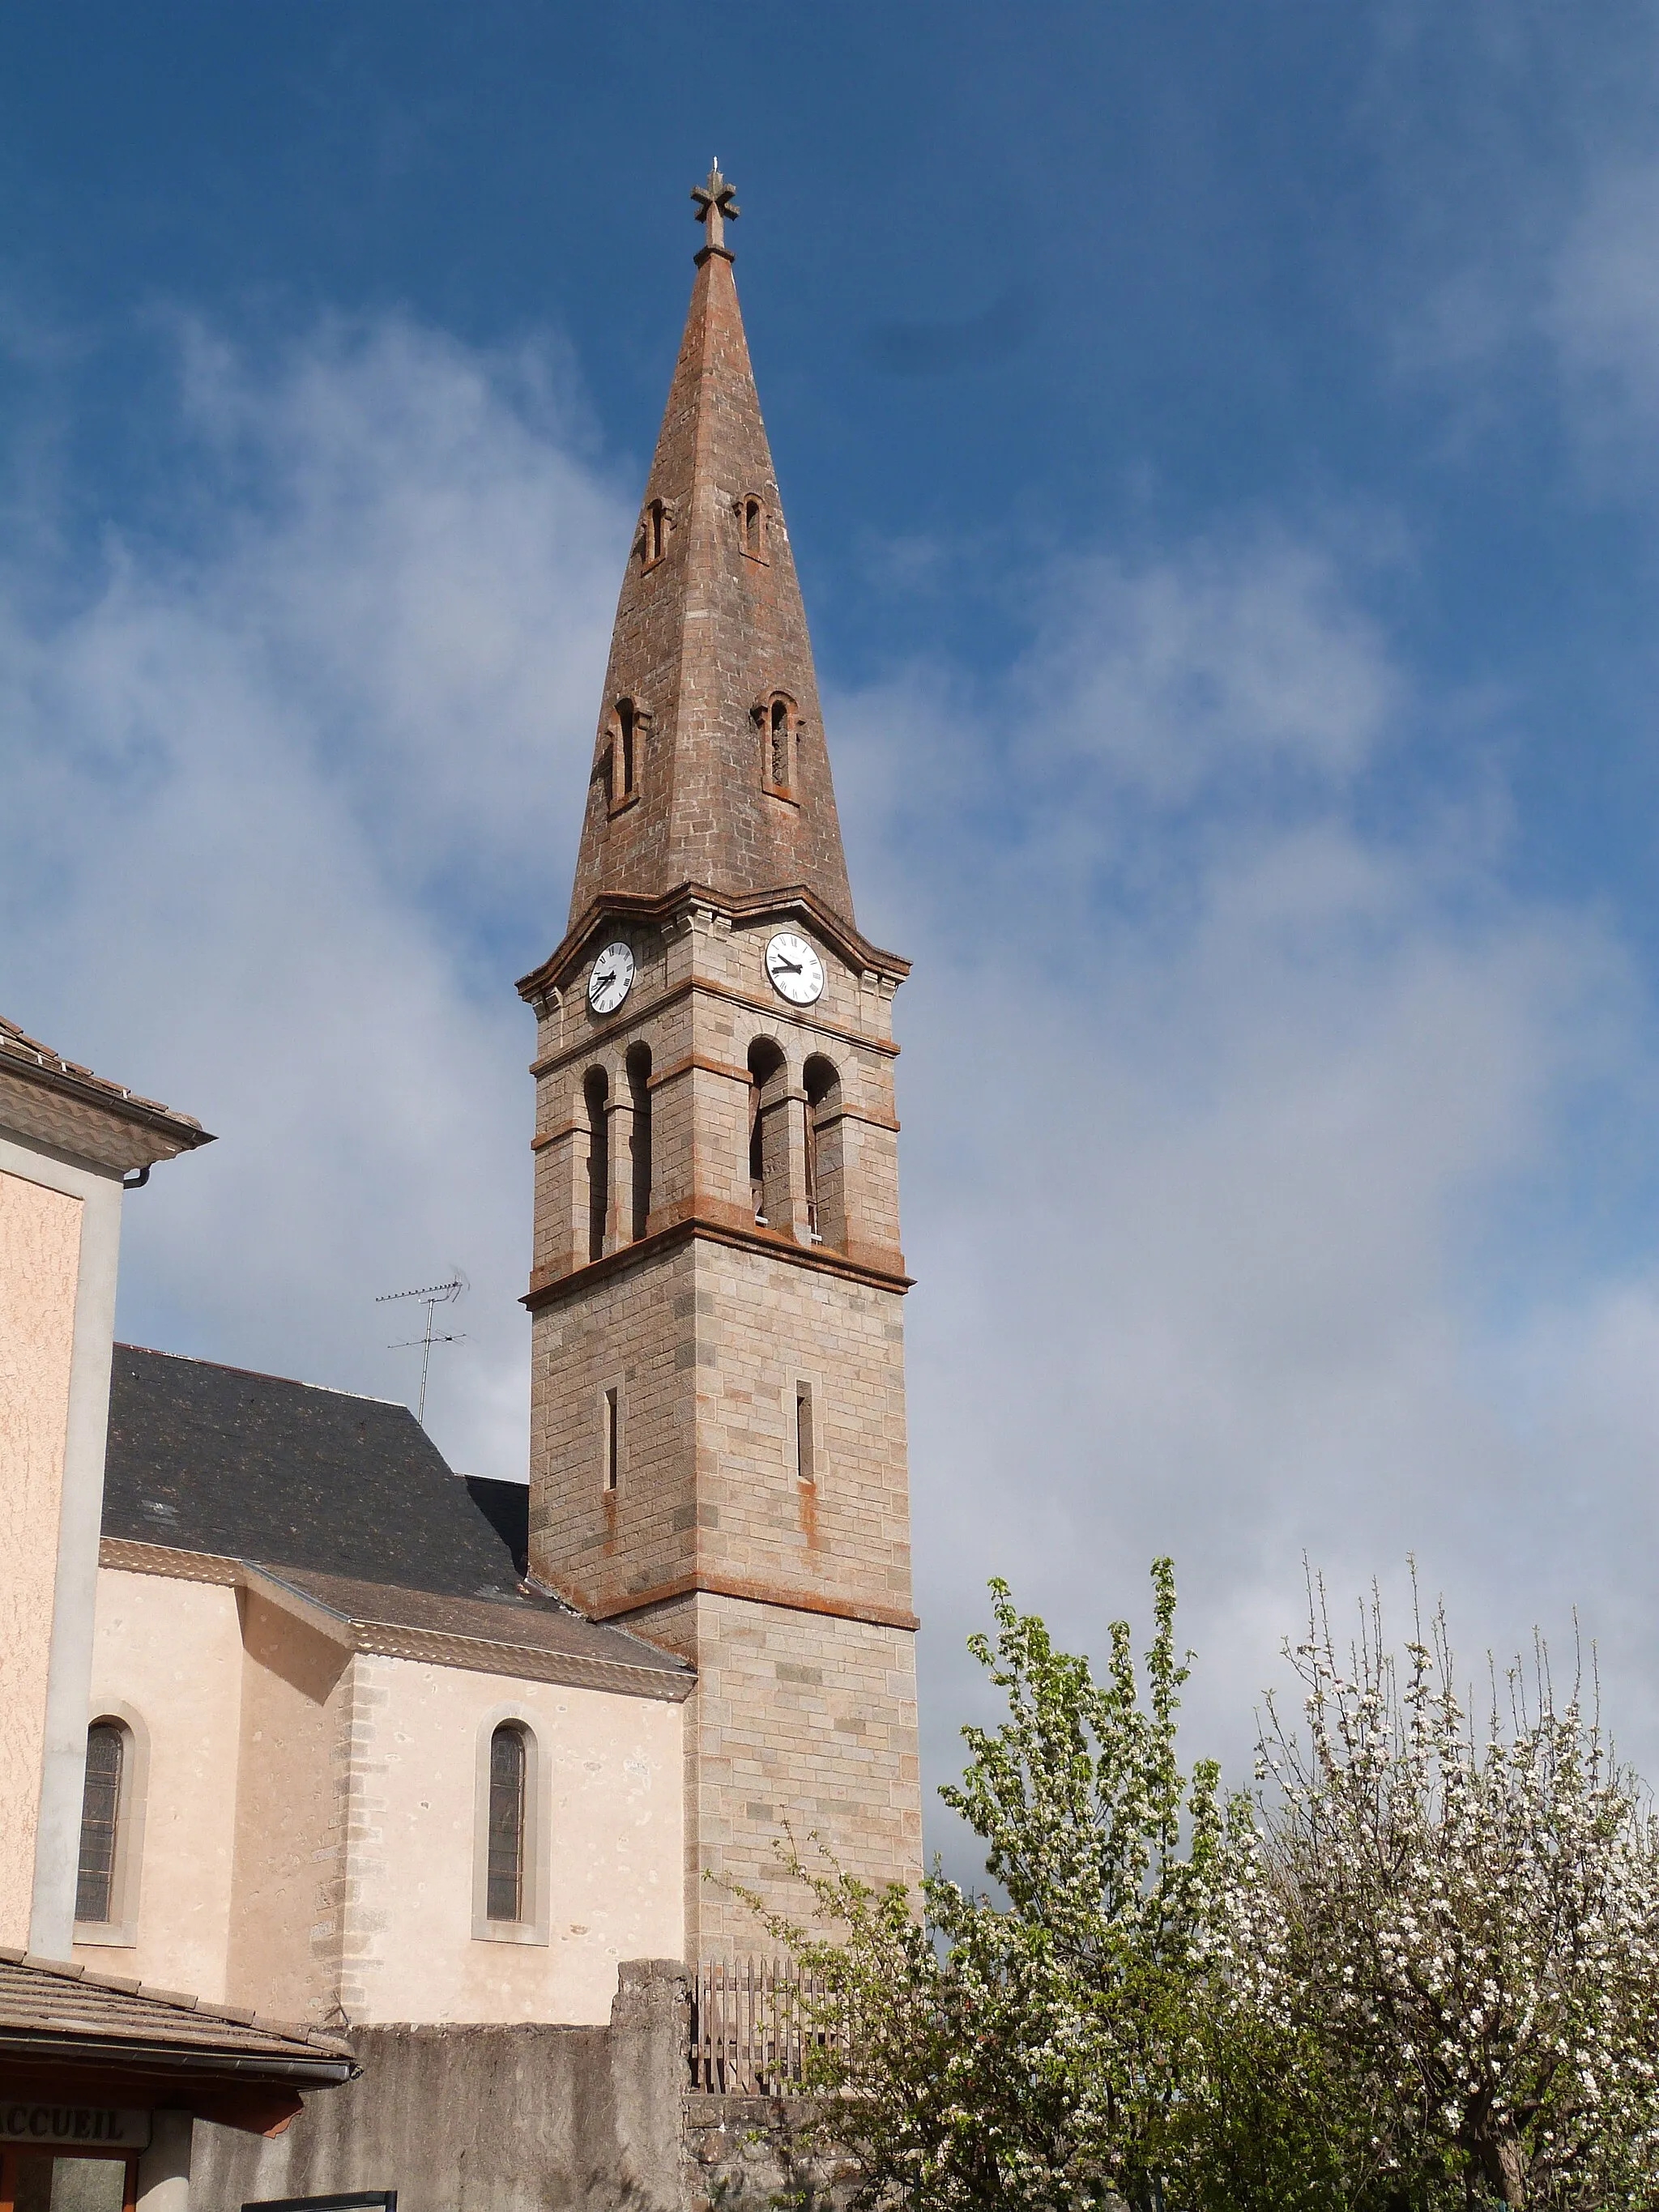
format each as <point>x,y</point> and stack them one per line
<point>721,777</point>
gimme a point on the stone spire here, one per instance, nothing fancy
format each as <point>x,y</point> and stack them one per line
<point>711,767</point>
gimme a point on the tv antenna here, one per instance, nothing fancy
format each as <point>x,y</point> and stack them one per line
<point>433,1295</point>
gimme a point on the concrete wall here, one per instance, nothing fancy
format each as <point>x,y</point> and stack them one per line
<point>167,1660</point>
<point>487,2119</point>
<point>39,1262</point>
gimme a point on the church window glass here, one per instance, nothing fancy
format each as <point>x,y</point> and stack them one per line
<point>505,1882</point>
<point>101,1815</point>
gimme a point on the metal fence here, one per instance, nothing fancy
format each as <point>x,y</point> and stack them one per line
<point>754,2023</point>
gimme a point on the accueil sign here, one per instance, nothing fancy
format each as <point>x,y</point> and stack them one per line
<point>103,2127</point>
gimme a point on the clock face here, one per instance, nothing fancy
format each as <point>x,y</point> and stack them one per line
<point>797,972</point>
<point>611,980</point>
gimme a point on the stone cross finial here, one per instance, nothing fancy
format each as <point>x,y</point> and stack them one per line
<point>715,201</point>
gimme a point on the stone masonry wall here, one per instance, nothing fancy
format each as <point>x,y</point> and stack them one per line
<point>709,1349</point>
<point>532,2119</point>
<point>800,1722</point>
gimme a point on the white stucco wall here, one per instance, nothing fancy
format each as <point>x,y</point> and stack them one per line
<point>51,1445</point>
<point>39,1266</point>
<point>168,1657</point>
<point>610,1773</point>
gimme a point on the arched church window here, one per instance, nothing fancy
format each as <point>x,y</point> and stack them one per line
<point>504,1879</point>
<point>101,1822</point>
<point>753,510</point>
<point>638,1067</point>
<point>596,1092</point>
<point>779,733</point>
<point>653,537</point>
<point>768,1134</point>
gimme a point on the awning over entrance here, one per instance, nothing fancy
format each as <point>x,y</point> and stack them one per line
<point>100,2079</point>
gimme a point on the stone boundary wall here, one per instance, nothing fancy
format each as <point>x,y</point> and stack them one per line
<point>748,2154</point>
<point>489,2119</point>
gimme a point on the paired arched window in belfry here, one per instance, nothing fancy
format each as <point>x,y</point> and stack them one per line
<point>778,720</point>
<point>637,1067</point>
<point>768,1134</point>
<point>596,1098</point>
<point>826,1196</point>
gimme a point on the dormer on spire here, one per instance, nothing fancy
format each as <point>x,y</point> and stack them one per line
<point>710,767</point>
<point>716,205</point>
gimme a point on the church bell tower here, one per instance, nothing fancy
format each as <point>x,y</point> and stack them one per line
<point>718,1426</point>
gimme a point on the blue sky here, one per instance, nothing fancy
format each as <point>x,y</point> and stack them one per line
<point>1219,444</point>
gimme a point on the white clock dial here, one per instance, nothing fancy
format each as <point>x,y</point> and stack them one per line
<point>612,979</point>
<point>797,972</point>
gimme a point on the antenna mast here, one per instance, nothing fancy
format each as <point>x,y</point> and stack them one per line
<point>435,1295</point>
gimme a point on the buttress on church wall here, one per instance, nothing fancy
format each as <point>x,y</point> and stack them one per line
<point>310,1832</point>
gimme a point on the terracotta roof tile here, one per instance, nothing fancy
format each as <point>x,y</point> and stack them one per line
<point>49,1997</point>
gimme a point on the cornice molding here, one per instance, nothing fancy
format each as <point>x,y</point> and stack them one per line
<point>555,1289</point>
<point>791,898</point>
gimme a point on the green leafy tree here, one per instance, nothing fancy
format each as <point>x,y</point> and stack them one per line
<point>1093,2033</point>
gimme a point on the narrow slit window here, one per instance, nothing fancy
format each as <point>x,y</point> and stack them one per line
<point>656,532</point>
<point>754,528</point>
<point>504,1899</point>
<point>779,762</point>
<point>627,733</point>
<point>805,1458</point>
<point>612,1421</point>
<point>100,1815</point>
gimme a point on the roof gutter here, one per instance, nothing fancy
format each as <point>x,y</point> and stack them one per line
<point>114,2051</point>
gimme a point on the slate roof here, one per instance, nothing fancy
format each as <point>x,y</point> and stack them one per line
<point>205,1458</point>
<point>47,2004</point>
<point>348,1501</point>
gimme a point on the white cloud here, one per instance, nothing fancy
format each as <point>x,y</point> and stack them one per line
<point>1224,1123</point>
<point>1600,302</point>
<point>1229,1115</point>
<point>286,797</point>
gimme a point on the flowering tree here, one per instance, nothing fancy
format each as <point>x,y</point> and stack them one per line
<point>1086,2040</point>
<point>1467,1923</point>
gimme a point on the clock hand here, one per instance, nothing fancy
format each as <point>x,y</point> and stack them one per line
<point>790,967</point>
